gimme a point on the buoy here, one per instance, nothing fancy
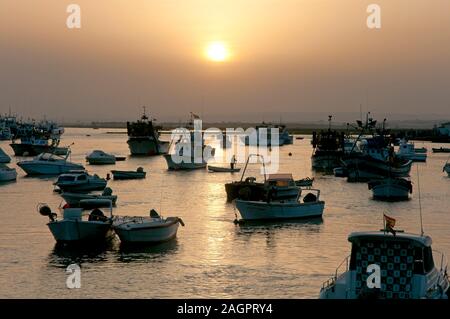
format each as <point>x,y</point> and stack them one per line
<point>290,154</point>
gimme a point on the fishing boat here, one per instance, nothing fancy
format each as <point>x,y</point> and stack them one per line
<point>223,169</point>
<point>49,164</point>
<point>328,148</point>
<point>146,230</point>
<point>80,182</point>
<point>407,151</point>
<point>4,158</point>
<point>34,145</point>
<point>98,157</point>
<point>407,268</point>
<point>281,186</point>
<point>441,150</point>
<point>137,174</point>
<point>143,137</point>
<point>187,154</point>
<point>307,206</point>
<point>7,174</point>
<point>75,199</point>
<point>391,188</point>
<point>446,168</point>
<point>77,226</point>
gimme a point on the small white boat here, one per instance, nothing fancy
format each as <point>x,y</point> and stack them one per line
<point>137,174</point>
<point>7,174</point>
<point>146,230</point>
<point>391,188</point>
<point>75,199</point>
<point>79,182</point>
<point>446,169</point>
<point>4,158</point>
<point>407,151</point>
<point>307,206</point>
<point>219,169</point>
<point>99,157</point>
<point>49,164</point>
<point>407,268</point>
<point>78,227</point>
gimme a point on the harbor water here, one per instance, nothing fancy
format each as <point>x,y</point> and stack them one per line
<point>212,257</point>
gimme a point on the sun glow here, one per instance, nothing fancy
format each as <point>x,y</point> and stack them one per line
<point>217,51</point>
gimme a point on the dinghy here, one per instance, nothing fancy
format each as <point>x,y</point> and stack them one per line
<point>74,199</point>
<point>219,169</point>
<point>137,174</point>
<point>146,230</point>
<point>307,206</point>
<point>78,227</point>
<point>305,182</point>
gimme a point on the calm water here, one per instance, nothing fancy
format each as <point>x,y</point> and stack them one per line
<point>212,257</point>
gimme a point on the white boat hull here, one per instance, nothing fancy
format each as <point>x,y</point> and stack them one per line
<point>73,199</point>
<point>7,175</point>
<point>147,232</point>
<point>251,210</point>
<point>48,169</point>
<point>71,231</point>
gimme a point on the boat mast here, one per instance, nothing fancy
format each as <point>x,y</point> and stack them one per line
<point>420,202</point>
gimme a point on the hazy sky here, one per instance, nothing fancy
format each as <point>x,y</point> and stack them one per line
<point>285,56</point>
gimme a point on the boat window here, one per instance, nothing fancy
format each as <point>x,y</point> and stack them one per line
<point>82,178</point>
<point>423,260</point>
<point>66,178</point>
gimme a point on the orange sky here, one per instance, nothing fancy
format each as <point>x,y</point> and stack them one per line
<point>286,57</point>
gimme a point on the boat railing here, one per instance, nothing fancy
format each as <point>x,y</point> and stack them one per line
<point>442,259</point>
<point>331,281</point>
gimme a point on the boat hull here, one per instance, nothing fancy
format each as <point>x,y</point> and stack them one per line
<point>33,150</point>
<point>48,168</point>
<point>83,187</point>
<point>147,146</point>
<point>101,161</point>
<point>7,175</point>
<point>389,189</point>
<point>128,175</point>
<point>251,210</point>
<point>146,233</point>
<point>186,163</point>
<point>74,231</point>
<point>223,169</point>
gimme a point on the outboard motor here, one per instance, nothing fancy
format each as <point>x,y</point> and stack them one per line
<point>154,214</point>
<point>44,210</point>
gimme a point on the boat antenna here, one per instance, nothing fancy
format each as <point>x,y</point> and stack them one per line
<point>420,202</point>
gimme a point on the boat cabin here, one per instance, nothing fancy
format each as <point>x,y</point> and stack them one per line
<point>404,259</point>
<point>280,180</point>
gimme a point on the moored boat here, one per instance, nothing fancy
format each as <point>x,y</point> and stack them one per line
<point>77,227</point>
<point>74,199</point>
<point>49,164</point>
<point>139,173</point>
<point>80,182</point>
<point>98,157</point>
<point>446,168</point>
<point>146,230</point>
<point>223,169</point>
<point>407,151</point>
<point>391,188</point>
<point>307,206</point>
<point>407,269</point>
<point>441,150</point>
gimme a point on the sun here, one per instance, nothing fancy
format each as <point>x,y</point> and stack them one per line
<point>217,51</point>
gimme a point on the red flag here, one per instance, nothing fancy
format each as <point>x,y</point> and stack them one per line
<point>389,223</point>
